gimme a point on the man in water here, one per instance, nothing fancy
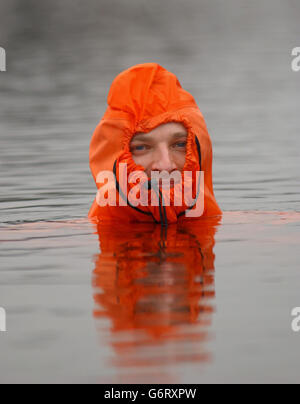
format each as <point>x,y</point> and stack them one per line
<point>151,125</point>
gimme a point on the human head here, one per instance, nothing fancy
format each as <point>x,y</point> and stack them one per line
<point>147,102</point>
<point>161,149</point>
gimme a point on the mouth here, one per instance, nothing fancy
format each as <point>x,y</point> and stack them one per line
<point>164,180</point>
<point>169,184</point>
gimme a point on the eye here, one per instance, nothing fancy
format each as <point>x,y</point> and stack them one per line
<point>180,145</point>
<point>139,148</point>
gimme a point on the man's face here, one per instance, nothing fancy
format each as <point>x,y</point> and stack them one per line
<point>164,148</point>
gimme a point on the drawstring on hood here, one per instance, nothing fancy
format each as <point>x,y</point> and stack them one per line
<point>140,99</point>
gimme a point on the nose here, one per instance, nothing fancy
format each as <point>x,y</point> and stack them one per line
<point>163,160</point>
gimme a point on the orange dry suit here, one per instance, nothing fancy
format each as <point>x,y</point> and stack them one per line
<point>140,99</point>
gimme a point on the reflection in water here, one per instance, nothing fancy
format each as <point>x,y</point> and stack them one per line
<point>156,287</point>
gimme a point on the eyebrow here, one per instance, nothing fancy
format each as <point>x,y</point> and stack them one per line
<point>147,137</point>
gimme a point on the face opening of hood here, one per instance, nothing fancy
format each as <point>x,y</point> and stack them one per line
<point>141,99</point>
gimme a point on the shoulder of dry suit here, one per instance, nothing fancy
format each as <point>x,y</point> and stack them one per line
<point>140,99</point>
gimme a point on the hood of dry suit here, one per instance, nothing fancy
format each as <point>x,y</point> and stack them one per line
<point>154,279</point>
<point>140,99</point>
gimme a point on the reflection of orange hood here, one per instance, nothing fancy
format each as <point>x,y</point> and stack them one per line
<point>140,99</point>
<point>155,285</point>
<point>140,264</point>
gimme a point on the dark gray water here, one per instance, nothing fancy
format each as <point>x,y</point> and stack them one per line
<point>235,58</point>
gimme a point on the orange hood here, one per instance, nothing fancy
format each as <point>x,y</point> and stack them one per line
<point>140,99</point>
